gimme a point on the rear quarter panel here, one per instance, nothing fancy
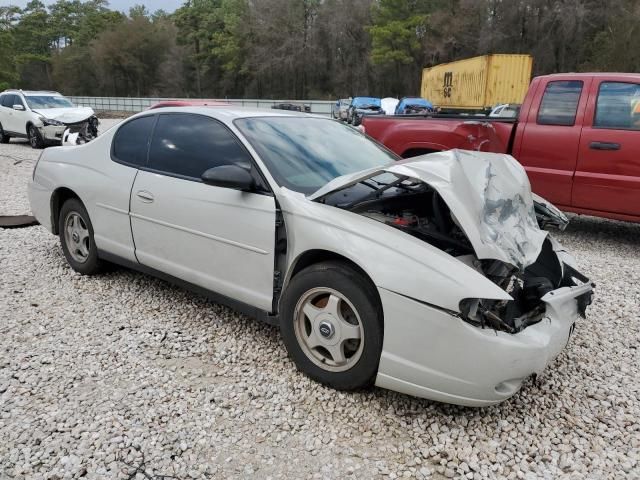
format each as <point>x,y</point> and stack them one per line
<point>103,186</point>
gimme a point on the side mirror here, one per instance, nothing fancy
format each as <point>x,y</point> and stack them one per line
<point>19,107</point>
<point>229,176</point>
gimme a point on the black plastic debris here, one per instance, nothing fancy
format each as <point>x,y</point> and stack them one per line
<point>17,221</point>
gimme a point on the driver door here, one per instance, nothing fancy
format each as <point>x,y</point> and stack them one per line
<point>217,238</point>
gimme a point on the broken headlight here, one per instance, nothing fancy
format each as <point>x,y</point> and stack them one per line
<point>503,315</point>
<point>50,122</point>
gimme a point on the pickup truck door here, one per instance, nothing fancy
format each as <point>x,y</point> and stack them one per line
<point>607,177</point>
<point>548,148</point>
<point>217,238</point>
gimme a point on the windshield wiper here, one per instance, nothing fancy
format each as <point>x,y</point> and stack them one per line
<point>379,191</point>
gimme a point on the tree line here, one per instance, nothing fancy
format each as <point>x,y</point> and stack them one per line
<point>299,48</point>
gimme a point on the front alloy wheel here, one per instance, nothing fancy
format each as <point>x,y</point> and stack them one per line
<point>328,329</point>
<point>35,140</point>
<point>331,324</point>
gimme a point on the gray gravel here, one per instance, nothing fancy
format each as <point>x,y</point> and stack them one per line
<point>103,375</point>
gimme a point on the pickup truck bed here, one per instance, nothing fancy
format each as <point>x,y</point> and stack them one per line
<point>406,135</point>
<point>577,136</point>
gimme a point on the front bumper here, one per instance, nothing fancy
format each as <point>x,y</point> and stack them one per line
<point>52,133</point>
<point>430,353</point>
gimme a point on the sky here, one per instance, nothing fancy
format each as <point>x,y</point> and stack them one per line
<point>122,5</point>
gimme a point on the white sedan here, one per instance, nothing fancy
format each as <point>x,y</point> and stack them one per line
<point>428,276</point>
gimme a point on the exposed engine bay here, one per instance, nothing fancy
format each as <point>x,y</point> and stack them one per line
<point>419,210</point>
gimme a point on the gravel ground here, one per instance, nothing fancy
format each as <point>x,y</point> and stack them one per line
<point>105,375</point>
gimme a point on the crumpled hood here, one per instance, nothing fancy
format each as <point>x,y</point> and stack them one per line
<point>488,194</point>
<point>66,115</point>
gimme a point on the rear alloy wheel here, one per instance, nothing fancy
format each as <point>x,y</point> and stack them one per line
<point>76,237</point>
<point>331,324</point>
<point>35,140</point>
<point>4,138</point>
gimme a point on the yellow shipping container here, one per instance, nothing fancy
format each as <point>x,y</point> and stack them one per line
<point>479,82</point>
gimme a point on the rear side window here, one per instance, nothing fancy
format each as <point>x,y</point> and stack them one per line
<point>7,100</point>
<point>187,145</point>
<point>618,106</point>
<point>131,142</point>
<point>560,103</point>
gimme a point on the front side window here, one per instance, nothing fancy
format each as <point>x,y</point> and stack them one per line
<point>618,106</point>
<point>560,103</point>
<point>47,101</point>
<point>7,100</point>
<point>304,154</point>
<point>131,142</point>
<point>188,145</point>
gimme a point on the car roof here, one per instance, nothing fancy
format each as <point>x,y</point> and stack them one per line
<point>593,74</point>
<point>34,92</point>
<point>229,113</point>
<point>188,103</point>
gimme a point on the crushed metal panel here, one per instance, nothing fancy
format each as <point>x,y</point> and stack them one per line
<point>489,196</point>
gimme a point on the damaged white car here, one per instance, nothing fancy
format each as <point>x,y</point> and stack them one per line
<point>428,276</point>
<point>45,118</point>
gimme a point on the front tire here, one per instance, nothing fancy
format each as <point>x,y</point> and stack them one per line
<point>332,325</point>
<point>76,237</point>
<point>35,139</point>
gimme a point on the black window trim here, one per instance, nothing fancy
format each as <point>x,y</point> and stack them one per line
<point>266,188</point>
<point>573,123</point>
<point>115,136</point>
<point>8,95</point>
<point>595,110</point>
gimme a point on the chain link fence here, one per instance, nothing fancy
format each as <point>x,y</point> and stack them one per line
<point>134,105</point>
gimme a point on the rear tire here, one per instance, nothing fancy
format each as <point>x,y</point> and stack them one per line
<point>4,138</point>
<point>332,325</point>
<point>76,237</point>
<point>35,139</point>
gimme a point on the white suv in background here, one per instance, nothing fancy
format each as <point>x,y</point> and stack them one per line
<point>44,118</point>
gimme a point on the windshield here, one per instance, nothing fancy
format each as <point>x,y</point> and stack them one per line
<point>304,154</point>
<point>362,101</point>
<point>47,101</point>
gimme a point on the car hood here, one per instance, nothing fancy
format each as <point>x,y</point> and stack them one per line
<point>489,196</point>
<point>66,115</point>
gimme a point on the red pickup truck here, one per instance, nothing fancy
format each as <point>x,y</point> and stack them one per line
<point>577,136</point>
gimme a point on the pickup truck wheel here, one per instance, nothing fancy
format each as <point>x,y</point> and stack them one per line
<point>4,138</point>
<point>332,326</point>
<point>76,238</point>
<point>35,140</point>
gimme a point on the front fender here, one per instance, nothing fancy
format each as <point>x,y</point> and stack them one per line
<point>392,259</point>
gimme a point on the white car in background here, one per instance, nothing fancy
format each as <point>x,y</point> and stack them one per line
<point>429,276</point>
<point>45,118</point>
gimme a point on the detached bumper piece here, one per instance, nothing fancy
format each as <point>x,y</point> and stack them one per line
<point>81,132</point>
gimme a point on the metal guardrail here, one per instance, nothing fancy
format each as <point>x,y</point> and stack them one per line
<point>134,105</point>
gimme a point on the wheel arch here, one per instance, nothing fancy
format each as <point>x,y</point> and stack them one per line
<point>59,196</point>
<point>314,256</point>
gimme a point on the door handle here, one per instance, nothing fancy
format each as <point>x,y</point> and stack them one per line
<point>145,196</point>
<point>604,146</point>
